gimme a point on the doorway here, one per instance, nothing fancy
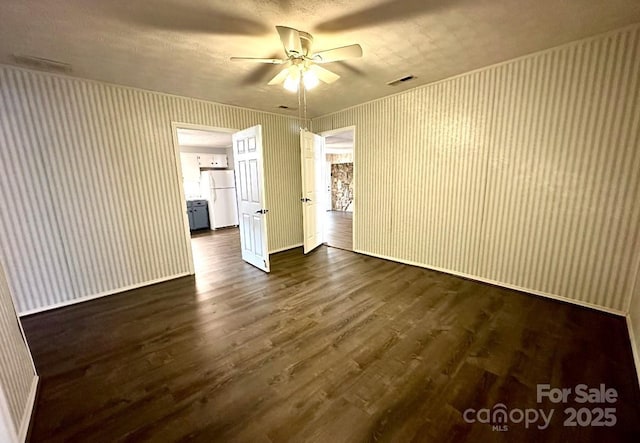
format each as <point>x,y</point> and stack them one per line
<point>339,161</point>
<point>205,160</point>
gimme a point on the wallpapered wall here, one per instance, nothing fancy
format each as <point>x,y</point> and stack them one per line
<point>89,172</point>
<point>523,173</point>
<point>17,376</point>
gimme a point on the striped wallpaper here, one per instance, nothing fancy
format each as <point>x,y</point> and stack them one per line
<point>525,173</point>
<point>89,185</point>
<point>16,370</point>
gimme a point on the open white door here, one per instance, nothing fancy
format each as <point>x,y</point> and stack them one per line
<point>311,146</point>
<point>249,169</point>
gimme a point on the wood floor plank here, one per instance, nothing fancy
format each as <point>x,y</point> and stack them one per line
<point>331,346</point>
<point>339,229</point>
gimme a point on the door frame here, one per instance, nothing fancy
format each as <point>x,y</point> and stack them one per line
<point>175,125</point>
<point>355,169</point>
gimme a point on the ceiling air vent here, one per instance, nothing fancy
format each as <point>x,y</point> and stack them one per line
<point>42,64</point>
<point>404,79</point>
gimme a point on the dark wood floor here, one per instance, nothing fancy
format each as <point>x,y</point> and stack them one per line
<point>339,229</point>
<point>330,347</point>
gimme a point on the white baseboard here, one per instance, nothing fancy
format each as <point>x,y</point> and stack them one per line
<point>286,248</point>
<point>497,283</point>
<point>28,410</point>
<point>634,347</point>
<point>101,294</point>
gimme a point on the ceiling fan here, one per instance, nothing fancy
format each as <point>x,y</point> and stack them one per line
<point>301,64</point>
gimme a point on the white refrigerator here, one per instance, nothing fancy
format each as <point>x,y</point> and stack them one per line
<point>218,188</point>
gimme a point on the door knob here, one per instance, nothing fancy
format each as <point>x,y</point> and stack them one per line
<point>262,211</point>
<point>305,200</point>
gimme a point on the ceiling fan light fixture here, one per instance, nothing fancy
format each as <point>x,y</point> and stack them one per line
<point>310,79</point>
<point>301,65</point>
<point>292,81</point>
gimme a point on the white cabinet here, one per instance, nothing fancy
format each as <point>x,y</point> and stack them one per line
<point>193,162</point>
<point>213,161</point>
<point>220,161</point>
<point>206,160</point>
<point>190,167</point>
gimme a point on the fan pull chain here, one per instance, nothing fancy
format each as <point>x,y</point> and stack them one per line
<point>300,104</point>
<point>304,99</point>
<point>301,99</point>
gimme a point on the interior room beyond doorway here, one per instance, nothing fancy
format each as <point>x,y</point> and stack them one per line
<point>339,200</point>
<point>208,183</point>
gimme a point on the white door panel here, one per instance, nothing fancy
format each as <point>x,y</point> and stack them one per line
<point>254,181</point>
<point>311,146</point>
<point>247,145</point>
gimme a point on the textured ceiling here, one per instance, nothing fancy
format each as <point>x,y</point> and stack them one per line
<point>183,46</point>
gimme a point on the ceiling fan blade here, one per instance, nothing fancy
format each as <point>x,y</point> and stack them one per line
<point>290,39</point>
<point>280,78</point>
<point>338,54</point>
<point>259,73</point>
<point>324,74</point>
<point>273,61</point>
